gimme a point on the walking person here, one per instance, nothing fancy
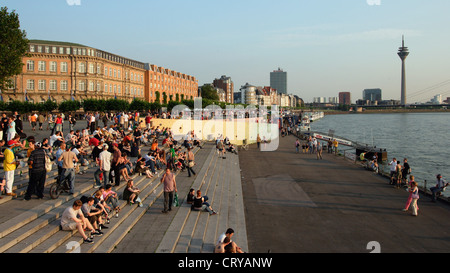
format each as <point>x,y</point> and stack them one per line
<point>191,162</point>
<point>392,168</point>
<point>409,200</point>
<point>170,186</point>
<point>319,149</point>
<point>415,197</point>
<point>297,146</point>
<point>104,166</point>
<point>37,171</point>
<point>398,175</point>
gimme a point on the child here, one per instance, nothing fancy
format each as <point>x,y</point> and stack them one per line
<point>111,197</point>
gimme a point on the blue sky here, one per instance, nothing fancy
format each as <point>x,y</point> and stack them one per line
<point>326,46</point>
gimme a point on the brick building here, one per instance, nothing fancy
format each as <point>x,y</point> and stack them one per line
<point>226,84</point>
<point>62,71</point>
<point>175,85</point>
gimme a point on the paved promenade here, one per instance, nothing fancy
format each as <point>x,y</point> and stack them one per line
<point>298,204</point>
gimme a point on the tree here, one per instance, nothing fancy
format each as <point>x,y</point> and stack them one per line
<point>208,92</point>
<point>13,47</point>
<point>69,106</point>
<point>158,97</point>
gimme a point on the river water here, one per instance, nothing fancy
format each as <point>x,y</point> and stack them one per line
<point>422,138</point>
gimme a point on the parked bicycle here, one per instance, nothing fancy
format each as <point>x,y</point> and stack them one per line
<point>59,187</point>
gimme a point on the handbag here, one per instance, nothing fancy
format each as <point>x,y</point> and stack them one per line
<point>191,164</point>
<point>175,200</point>
<point>415,195</point>
<point>48,164</point>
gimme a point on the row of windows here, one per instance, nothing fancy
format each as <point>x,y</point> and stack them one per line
<point>167,88</point>
<point>82,85</point>
<point>62,50</point>
<point>53,67</point>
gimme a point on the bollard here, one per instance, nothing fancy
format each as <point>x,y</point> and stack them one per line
<point>425,186</point>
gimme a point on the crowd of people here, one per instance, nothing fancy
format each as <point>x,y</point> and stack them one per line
<point>108,141</point>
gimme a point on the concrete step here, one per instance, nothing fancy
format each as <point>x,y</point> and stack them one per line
<point>131,215</point>
<point>168,243</point>
<point>22,226</point>
<point>58,243</point>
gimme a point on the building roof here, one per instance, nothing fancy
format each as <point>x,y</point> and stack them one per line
<point>45,42</point>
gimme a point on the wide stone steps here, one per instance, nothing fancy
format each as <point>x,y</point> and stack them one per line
<point>37,230</point>
<point>197,231</point>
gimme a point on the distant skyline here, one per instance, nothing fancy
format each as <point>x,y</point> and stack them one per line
<point>326,47</point>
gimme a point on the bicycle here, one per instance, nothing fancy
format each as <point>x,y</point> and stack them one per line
<point>59,187</point>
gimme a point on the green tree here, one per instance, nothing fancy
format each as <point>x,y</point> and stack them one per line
<point>164,98</point>
<point>13,46</point>
<point>158,97</point>
<point>69,106</point>
<point>208,92</point>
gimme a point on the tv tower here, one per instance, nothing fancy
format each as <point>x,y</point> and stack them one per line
<point>403,52</point>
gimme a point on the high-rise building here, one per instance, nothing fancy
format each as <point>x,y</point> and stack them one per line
<point>345,98</point>
<point>372,95</point>
<point>278,81</point>
<point>227,85</point>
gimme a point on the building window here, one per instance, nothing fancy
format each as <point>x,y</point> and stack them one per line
<point>91,68</point>
<point>118,73</point>
<point>53,85</point>
<point>64,85</point>
<point>98,86</point>
<point>30,65</point>
<point>61,50</point>
<point>98,69</point>
<point>119,90</point>
<point>106,71</point>
<point>39,49</point>
<point>82,68</point>
<point>91,86</point>
<point>30,84</point>
<point>53,66</point>
<point>64,67</point>
<point>42,84</point>
<point>41,66</point>
<point>47,49</point>
<point>32,48</point>
<point>54,50</point>
<point>68,50</point>
<point>106,88</point>
<point>82,85</point>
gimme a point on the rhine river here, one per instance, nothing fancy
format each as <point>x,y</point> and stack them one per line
<point>422,138</point>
